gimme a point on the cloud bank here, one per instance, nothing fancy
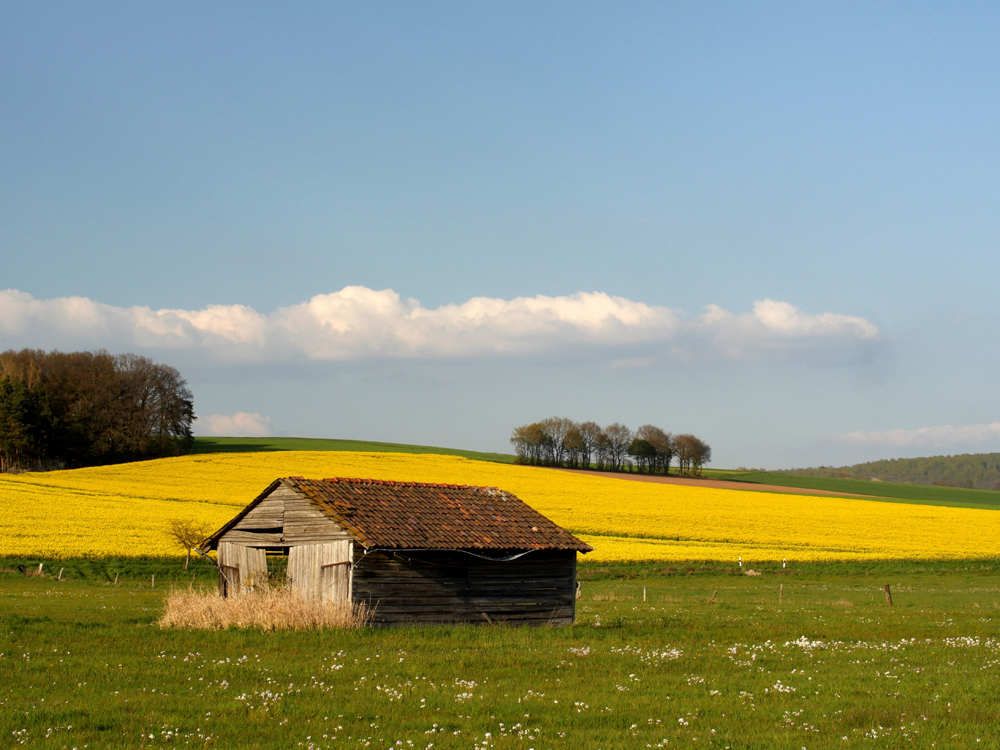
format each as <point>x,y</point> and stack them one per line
<point>240,424</point>
<point>926,437</point>
<point>358,324</point>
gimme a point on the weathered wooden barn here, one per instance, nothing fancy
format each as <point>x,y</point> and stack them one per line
<point>413,552</point>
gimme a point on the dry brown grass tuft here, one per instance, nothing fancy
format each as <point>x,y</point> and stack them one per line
<point>271,609</point>
<point>842,603</point>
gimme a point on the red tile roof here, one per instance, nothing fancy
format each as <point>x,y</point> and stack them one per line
<point>418,515</point>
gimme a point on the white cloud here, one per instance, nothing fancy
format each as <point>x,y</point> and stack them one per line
<point>775,326</point>
<point>926,437</point>
<point>358,323</point>
<point>240,424</point>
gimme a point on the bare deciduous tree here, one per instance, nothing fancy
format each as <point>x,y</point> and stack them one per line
<point>692,454</point>
<point>590,432</point>
<point>602,450</point>
<point>558,441</point>
<point>576,445</point>
<point>556,428</point>
<point>189,534</point>
<point>702,455</point>
<point>619,439</point>
<point>683,447</point>
<point>530,443</point>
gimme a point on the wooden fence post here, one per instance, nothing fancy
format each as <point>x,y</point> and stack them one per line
<point>888,595</point>
<point>781,591</point>
<point>116,579</point>
<point>60,573</point>
<point>153,584</point>
<point>40,565</point>
<point>644,593</point>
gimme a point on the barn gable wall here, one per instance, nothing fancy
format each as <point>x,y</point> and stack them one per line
<point>319,549</point>
<point>447,586</point>
<point>262,524</point>
<point>307,524</point>
<point>282,519</point>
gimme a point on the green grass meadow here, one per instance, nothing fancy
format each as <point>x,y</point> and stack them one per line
<point>689,656</point>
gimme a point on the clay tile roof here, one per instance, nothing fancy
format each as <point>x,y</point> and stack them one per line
<point>419,515</point>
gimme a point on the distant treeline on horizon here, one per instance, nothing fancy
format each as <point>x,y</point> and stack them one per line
<point>68,409</point>
<point>979,471</point>
<point>557,441</point>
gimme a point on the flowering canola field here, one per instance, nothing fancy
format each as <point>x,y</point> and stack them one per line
<point>125,510</point>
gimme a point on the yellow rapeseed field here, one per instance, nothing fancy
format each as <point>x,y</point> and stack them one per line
<point>127,509</point>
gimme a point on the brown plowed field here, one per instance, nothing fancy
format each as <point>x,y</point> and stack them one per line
<point>716,483</point>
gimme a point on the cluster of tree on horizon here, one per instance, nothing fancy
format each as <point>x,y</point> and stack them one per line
<point>84,408</point>
<point>980,471</point>
<point>557,441</point>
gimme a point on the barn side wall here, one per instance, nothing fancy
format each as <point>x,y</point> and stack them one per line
<point>428,587</point>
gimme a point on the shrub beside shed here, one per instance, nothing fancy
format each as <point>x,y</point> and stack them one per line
<point>413,552</point>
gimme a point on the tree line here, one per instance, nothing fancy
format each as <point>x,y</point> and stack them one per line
<point>85,408</point>
<point>980,471</point>
<point>562,442</point>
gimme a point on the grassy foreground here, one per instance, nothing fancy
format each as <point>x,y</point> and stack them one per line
<point>709,659</point>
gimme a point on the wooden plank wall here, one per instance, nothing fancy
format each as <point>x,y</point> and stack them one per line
<point>304,523</point>
<point>250,562</point>
<point>422,587</point>
<point>321,571</point>
<point>282,519</point>
<point>263,524</point>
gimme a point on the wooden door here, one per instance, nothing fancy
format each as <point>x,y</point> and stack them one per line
<point>253,570</point>
<point>229,571</point>
<point>229,580</point>
<point>321,571</point>
<point>242,569</point>
<point>335,572</point>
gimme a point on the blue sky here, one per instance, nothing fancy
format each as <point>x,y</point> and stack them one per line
<point>774,226</point>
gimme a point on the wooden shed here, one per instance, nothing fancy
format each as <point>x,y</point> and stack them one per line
<point>411,551</point>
